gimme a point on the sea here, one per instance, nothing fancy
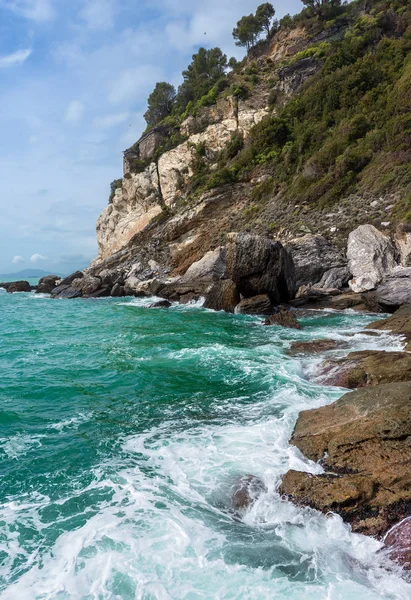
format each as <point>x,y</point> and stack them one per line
<point>122,431</point>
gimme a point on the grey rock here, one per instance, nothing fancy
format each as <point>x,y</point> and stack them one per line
<point>18,286</point>
<point>257,305</point>
<point>210,268</point>
<point>390,295</point>
<point>66,291</point>
<point>335,278</point>
<point>260,266</point>
<point>314,256</point>
<point>160,304</point>
<point>371,256</point>
<point>117,291</point>
<point>69,280</point>
<point>87,284</point>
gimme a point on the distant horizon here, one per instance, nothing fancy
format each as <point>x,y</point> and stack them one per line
<point>31,273</point>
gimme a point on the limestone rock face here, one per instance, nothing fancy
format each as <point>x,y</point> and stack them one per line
<point>260,266</point>
<point>316,260</point>
<point>363,442</point>
<point>223,295</point>
<point>371,256</point>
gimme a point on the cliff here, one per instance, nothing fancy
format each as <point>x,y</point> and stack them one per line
<point>311,136</point>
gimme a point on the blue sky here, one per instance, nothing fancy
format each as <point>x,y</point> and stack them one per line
<point>74,79</point>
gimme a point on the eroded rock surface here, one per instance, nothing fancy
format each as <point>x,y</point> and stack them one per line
<point>364,443</point>
<point>257,305</point>
<point>224,295</point>
<point>283,318</point>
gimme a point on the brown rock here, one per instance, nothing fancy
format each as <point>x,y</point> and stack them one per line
<point>398,540</point>
<point>367,368</point>
<point>245,491</point>
<point>399,322</point>
<point>18,286</point>
<point>314,347</point>
<point>340,302</point>
<point>257,305</point>
<point>284,318</point>
<point>223,295</point>
<point>364,443</point>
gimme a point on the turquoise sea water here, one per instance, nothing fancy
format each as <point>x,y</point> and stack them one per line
<point>121,432</point>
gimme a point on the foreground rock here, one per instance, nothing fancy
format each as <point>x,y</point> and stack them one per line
<point>47,284</point>
<point>392,293</point>
<point>283,318</point>
<point>260,266</point>
<point>399,323</point>
<point>257,305</point>
<point>314,347</point>
<point>18,286</point>
<point>398,541</point>
<point>363,442</point>
<point>371,256</point>
<point>224,295</point>
<point>324,300</point>
<point>367,368</point>
<point>316,260</point>
<point>160,304</point>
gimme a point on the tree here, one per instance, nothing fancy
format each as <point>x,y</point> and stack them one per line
<point>160,103</point>
<point>247,31</point>
<point>320,6</point>
<point>264,15</point>
<point>206,68</point>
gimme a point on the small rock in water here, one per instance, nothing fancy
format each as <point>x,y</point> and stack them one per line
<point>314,347</point>
<point>398,540</point>
<point>284,318</point>
<point>245,491</point>
<point>160,304</point>
<point>18,286</point>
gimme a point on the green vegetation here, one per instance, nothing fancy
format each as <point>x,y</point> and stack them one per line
<point>160,103</point>
<point>114,185</point>
<point>250,27</point>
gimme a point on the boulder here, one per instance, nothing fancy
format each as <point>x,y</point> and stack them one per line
<point>111,278</point>
<point>314,256</point>
<point>398,543</point>
<point>87,284</point>
<point>283,318</point>
<point>260,266</point>
<point>390,295</point>
<point>363,443</point>
<point>18,286</point>
<point>210,268</point>
<point>47,284</point>
<point>258,305</point>
<point>314,347</point>
<point>160,304</point>
<point>223,295</point>
<point>69,280</point>
<point>399,323</point>
<point>136,287</point>
<point>367,368</point>
<point>371,256</point>
<point>102,292</point>
<point>325,300</point>
<point>335,278</point>
<point>245,491</point>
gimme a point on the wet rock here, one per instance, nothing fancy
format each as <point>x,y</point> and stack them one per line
<point>210,268</point>
<point>245,491</point>
<point>260,266</point>
<point>315,257</point>
<point>136,287</point>
<point>363,443</point>
<point>66,291</point>
<point>117,291</point>
<point>283,318</point>
<point>336,302</point>
<point>223,295</point>
<point>160,304</point>
<point>398,541</point>
<point>399,323</point>
<point>371,256</point>
<point>102,292</point>
<point>367,368</point>
<point>314,347</point>
<point>47,284</point>
<point>188,297</point>
<point>18,286</point>
<point>258,305</point>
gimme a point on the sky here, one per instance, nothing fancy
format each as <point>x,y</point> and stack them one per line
<point>74,80</point>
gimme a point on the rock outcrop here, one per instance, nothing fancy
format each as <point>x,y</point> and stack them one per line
<point>371,257</point>
<point>260,266</point>
<point>18,286</point>
<point>47,284</point>
<point>257,305</point>
<point>363,443</point>
<point>224,295</point>
<point>283,318</point>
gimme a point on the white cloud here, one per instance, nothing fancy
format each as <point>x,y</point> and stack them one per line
<point>74,112</point>
<point>34,10</point>
<point>35,258</point>
<point>111,120</point>
<point>98,14</point>
<point>17,260</point>
<point>16,58</point>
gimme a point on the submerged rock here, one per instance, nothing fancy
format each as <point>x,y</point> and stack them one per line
<point>398,541</point>
<point>257,305</point>
<point>371,256</point>
<point>245,491</point>
<point>363,442</point>
<point>367,368</point>
<point>224,295</point>
<point>314,347</point>
<point>283,318</point>
<point>160,304</point>
<point>260,266</point>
